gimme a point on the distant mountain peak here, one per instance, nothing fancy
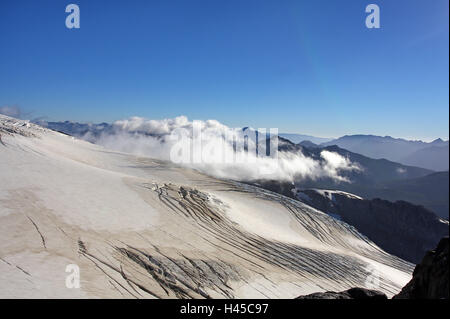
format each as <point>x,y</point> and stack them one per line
<point>439,141</point>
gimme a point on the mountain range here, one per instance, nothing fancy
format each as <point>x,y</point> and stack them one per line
<point>298,138</point>
<point>377,178</point>
<point>433,155</point>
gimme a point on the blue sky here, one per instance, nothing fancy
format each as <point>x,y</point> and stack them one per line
<point>302,66</point>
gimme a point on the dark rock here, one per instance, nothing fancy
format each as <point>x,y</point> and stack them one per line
<point>353,293</point>
<point>430,277</point>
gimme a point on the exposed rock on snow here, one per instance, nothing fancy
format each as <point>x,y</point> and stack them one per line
<point>10,126</point>
<point>353,293</point>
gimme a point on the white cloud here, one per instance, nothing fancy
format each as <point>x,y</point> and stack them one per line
<point>13,111</point>
<point>152,138</point>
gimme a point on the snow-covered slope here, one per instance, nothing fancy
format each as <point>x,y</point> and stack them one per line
<point>141,228</point>
<point>327,193</point>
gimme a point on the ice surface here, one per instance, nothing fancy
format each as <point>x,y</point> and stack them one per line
<point>143,228</point>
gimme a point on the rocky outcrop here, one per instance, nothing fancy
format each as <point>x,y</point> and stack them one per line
<point>353,293</point>
<point>403,229</point>
<point>430,277</point>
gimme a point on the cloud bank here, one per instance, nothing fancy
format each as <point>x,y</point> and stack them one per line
<point>218,150</point>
